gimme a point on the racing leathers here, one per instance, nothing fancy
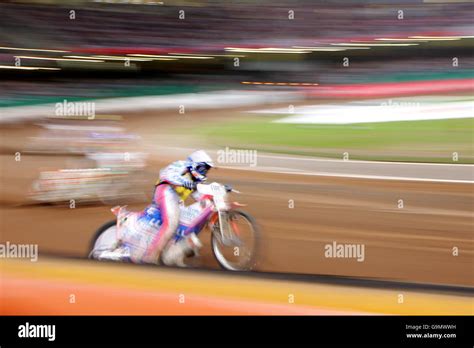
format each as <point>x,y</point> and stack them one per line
<point>175,184</point>
<point>146,237</point>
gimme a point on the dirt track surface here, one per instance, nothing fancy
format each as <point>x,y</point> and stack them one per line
<point>414,243</point>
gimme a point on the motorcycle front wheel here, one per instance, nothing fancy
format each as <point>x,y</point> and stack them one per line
<point>237,248</point>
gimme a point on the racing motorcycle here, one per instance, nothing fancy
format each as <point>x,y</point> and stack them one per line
<point>234,233</point>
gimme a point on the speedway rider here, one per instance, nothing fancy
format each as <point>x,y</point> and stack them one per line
<point>177,181</point>
<point>147,241</point>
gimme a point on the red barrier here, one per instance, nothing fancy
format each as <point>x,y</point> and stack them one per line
<point>371,90</point>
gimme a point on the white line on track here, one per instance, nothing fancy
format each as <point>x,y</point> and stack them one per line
<point>357,161</point>
<point>356,176</point>
<point>312,159</point>
<point>286,170</point>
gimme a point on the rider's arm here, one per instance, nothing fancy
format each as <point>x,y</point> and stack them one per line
<point>173,174</point>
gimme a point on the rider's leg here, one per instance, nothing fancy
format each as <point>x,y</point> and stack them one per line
<point>168,201</point>
<point>175,252</point>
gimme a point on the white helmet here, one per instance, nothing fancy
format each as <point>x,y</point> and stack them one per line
<point>200,163</point>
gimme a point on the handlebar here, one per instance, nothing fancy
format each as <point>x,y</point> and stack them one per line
<point>229,188</point>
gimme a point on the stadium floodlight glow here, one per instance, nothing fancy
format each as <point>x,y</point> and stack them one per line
<point>83,58</point>
<point>277,48</point>
<point>283,50</point>
<point>425,38</point>
<point>267,50</point>
<point>400,40</point>
<point>122,58</point>
<point>374,44</point>
<point>31,49</point>
<point>169,57</point>
<point>26,67</point>
<point>437,38</point>
<point>208,55</point>
<point>61,59</point>
<point>331,49</point>
<point>322,49</point>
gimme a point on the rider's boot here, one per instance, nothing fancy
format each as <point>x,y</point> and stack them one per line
<point>174,255</point>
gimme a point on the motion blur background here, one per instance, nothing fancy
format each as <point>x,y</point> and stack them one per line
<point>97,96</point>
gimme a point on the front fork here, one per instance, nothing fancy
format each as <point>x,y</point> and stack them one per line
<point>224,228</point>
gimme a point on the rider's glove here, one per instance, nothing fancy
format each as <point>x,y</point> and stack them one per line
<point>191,185</point>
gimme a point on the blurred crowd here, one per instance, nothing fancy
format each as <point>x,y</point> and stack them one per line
<point>117,28</point>
<point>214,24</point>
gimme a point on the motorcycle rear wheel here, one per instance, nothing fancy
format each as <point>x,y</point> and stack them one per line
<point>103,236</point>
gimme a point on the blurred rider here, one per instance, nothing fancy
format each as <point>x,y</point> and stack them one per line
<point>176,182</point>
<point>146,237</point>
